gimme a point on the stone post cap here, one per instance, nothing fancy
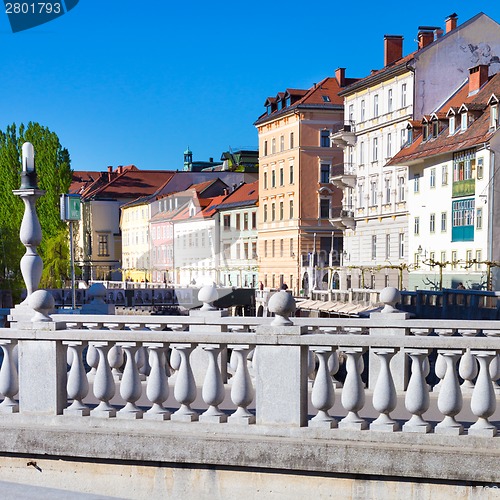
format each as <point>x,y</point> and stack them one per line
<point>97,292</point>
<point>208,295</point>
<point>282,304</point>
<point>390,296</point>
<point>42,302</point>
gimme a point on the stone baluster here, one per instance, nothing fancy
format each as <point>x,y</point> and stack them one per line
<point>333,368</point>
<point>483,402</point>
<point>495,372</point>
<point>311,364</point>
<point>440,365</point>
<point>467,369</point>
<point>157,386</point>
<point>9,381</point>
<point>417,393</point>
<point>142,362</point>
<point>77,385</point>
<point>242,392</point>
<point>185,386</point>
<point>384,394</point>
<point>213,389</point>
<point>450,396</point>
<point>130,387</point>
<point>115,360</point>
<point>92,359</point>
<point>104,384</point>
<point>353,393</point>
<point>323,391</point>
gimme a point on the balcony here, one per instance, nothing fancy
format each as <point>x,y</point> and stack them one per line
<point>344,220</point>
<point>345,137</point>
<point>346,178</point>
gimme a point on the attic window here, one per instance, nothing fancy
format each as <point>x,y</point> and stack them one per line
<point>326,98</point>
<point>288,101</point>
<point>435,128</point>
<point>452,125</point>
<point>269,111</point>
<point>494,116</point>
<point>425,132</point>
<point>463,124</point>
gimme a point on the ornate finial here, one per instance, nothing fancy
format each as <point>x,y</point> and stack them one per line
<point>43,303</point>
<point>390,296</point>
<point>282,304</point>
<point>208,294</point>
<point>97,292</point>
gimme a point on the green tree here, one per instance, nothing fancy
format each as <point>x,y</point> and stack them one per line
<point>54,177</point>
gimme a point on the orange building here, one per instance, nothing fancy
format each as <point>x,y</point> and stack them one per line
<point>297,243</point>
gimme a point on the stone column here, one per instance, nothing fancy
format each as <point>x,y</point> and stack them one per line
<point>390,296</point>
<point>281,370</point>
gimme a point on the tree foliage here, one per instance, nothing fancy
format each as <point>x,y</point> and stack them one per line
<point>52,163</point>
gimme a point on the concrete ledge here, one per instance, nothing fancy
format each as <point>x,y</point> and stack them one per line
<point>332,451</point>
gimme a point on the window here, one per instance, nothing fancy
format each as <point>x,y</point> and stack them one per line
<point>403,137</point>
<point>282,211</point>
<point>389,145</point>
<point>291,209</point>
<point>265,148</point>
<point>291,173</point>
<point>282,143</point>
<point>351,113</point>
<point>265,248</point>
<point>435,128</point>
<point>432,180</point>
<point>272,249</point>
<point>254,220</point>
<point>464,162</point>
<point>451,125</point>
<point>387,246</point>
<point>273,211</point>
<point>292,253</point>
<point>389,100</point>
<point>425,131</point>
<point>363,110</point>
<point>227,222</point>
<point>245,221</point>
<point>416,225</point>
<point>480,168</point>
<point>282,176</point>
<point>454,259</point>
<point>273,178</point>
<point>401,189</point>
<point>375,105</point>
<point>463,121</point>
<point>273,146</point>
<point>373,193</point>
<point>375,149</point>
<point>479,259</point>
<point>265,180</point>
<point>361,153</point>
<point>443,257</point>
<point>227,250</point>
<point>291,140</point>
<point>103,250</point>
<point>374,246</point>
<point>254,250</point>
<point>403,95</point>
<point>468,257</point>
<point>432,256</point>
<point>444,218</point>
<point>479,218</point>
<point>325,139</point>
<point>324,208</point>
<point>444,175</point>
<point>282,248</point>
<point>387,182</point>
<point>265,213</point>
<point>416,183</point>
<point>432,223</point>
<point>401,245</point>
<point>494,116</point>
<point>360,195</point>
<point>324,173</point>
<point>238,222</point>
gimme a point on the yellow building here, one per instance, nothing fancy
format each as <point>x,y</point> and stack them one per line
<point>296,241</point>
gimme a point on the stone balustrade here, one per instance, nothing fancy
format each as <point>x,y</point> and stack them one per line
<point>352,396</point>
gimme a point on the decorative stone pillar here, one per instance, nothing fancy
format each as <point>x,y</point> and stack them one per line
<point>242,393</point>
<point>77,386</point>
<point>9,382</point>
<point>281,370</point>
<point>389,296</point>
<point>323,391</point>
<point>213,388</point>
<point>185,386</point>
<point>157,389</point>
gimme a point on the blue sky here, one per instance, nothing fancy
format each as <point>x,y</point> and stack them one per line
<point>135,82</point>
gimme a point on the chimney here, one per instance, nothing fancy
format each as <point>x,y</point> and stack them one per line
<point>478,76</point>
<point>211,160</point>
<point>340,76</point>
<point>393,48</point>
<point>451,22</point>
<point>119,169</point>
<point>438,33</point>
<point>425,38</point>
<point>110,169</point>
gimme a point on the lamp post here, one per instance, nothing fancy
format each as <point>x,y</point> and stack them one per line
<point>30,233</point>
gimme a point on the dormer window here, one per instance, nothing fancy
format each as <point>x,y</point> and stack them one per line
<point>452,125</point>
<point>494,116</point>
<point>288,101</point>
<point>463,124</point>
<point>425,131</point>
<point>435,128</point>
<point>409,134</point>
<point>326,98</point>
<point>269,110</point>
